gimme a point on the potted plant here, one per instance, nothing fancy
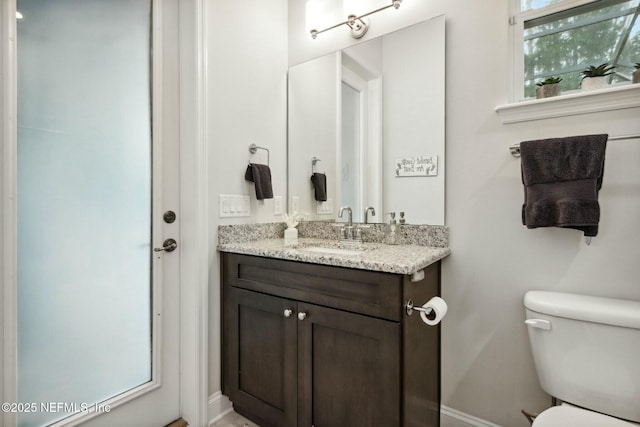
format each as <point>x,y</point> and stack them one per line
<point>548,87</point>
<point>594,77</point>
<point>636,73</point>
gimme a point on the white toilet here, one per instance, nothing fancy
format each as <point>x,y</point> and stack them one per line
<point>587,353</point>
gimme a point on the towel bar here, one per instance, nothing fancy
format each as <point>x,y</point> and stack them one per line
<point>253,149</point>
<point>515,148</point>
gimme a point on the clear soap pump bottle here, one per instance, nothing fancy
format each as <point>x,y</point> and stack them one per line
<point>391,231</point>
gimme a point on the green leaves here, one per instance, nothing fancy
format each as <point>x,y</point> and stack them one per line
<point>549,81</point>
<point>599,71</point>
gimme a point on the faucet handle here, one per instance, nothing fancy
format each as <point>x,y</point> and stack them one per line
<point>359,228</point>
<point>339,226</point>
<point>358,235</point>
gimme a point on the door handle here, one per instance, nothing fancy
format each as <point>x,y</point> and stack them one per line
<point>168,245</point>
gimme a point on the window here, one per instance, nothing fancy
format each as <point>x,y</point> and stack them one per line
<point>563,37</point>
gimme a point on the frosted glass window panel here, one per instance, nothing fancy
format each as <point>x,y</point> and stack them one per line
<point>84,201</point>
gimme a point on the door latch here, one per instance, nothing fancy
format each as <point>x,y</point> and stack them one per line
<point>168,245</point>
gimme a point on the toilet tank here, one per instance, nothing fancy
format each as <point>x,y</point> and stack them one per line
<point>587,350</point>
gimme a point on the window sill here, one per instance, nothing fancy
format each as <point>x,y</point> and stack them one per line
<point>608,99</point>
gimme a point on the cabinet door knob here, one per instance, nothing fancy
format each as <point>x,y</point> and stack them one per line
<point>302,315</point>
<point>288,312</point>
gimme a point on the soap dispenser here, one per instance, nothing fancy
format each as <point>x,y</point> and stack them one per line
<point>391,231</point>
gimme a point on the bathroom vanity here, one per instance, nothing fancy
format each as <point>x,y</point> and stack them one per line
<point>324,339</point>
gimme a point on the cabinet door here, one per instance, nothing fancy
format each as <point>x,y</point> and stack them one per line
<point>348,369</point>
<point>261,356</point>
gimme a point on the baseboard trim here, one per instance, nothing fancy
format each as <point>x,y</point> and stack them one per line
<point>450,417</point>
<point>219,406</point>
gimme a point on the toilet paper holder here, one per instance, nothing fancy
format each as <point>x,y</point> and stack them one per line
<point>409,307</point>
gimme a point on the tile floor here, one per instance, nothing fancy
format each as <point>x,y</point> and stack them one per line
<point>233,420</point>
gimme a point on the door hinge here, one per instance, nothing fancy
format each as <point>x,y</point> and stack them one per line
<point>513,20</point>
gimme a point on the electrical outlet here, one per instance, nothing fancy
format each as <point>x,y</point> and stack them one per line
<point>295,204</point>
<point>277,205</point>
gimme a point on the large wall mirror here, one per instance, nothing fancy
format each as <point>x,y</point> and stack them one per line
<point>371,119</point>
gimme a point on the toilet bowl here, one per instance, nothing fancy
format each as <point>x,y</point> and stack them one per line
<point>567,415</point>
<point>585,350</point>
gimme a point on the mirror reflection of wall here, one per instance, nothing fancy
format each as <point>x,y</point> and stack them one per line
<point>362,109</point>
<point>350,151</point>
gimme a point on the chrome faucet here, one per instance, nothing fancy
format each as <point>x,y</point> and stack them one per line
<point>349,212</point>
<point>366,214</point>
<point>347,231</point>
<point>350,233</point>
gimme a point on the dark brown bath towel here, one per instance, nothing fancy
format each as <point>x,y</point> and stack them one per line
<point>562,177</point>
<point>261,176</point>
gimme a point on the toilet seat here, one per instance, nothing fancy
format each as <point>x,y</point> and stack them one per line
<point>571,416</point>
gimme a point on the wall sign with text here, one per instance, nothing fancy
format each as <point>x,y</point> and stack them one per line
<point>417,166</point>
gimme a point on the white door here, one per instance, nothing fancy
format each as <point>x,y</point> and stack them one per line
<point>361,141</point>
<point>93,310</point>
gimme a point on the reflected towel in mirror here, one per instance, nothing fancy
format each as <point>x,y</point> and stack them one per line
<point>319,181</point>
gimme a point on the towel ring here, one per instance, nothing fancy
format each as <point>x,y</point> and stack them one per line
<point>253,149</point>
<point>314,161</point>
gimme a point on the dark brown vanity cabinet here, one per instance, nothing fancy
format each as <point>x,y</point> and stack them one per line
<point>315,345</point>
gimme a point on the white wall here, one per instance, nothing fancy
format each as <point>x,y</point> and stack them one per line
<point>246,76</point>
<point>487,370</point>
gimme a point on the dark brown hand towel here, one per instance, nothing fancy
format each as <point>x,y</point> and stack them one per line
<point>319,181</point>
<point>562,177</point>
<point>261,176</point>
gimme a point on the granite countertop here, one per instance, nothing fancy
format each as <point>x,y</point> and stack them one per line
<point>399,259</point>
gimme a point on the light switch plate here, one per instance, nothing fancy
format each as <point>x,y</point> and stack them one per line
<point>232,205</point>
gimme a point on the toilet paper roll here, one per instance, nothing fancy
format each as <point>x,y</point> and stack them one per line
<point>439,307</point>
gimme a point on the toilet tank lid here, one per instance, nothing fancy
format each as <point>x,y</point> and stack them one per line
<point>608,311</point>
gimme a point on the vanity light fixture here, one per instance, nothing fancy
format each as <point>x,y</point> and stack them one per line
<point>359,24</point>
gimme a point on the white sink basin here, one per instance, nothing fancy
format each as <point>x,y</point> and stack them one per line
<point>332,251</point>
